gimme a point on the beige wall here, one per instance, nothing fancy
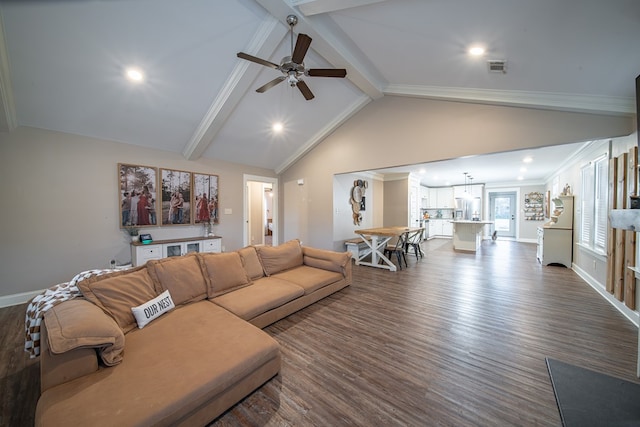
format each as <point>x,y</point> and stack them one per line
<point>396,206</point>
<point>394,131</point>
<point>61,205</point>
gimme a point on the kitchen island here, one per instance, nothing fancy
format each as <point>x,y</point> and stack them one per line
<point>467,235</point>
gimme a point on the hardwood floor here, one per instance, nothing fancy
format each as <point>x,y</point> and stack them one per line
<point>455,339</point>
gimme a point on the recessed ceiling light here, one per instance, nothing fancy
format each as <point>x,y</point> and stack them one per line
<point>476,51</point>
<point>134,75</point>
<point>277,127</point>
<point>528,159</point>
<point>520,178</point>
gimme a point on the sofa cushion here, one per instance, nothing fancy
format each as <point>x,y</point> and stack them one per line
<point>96,330</point>
<point>251,262</point>
<point>309,278</point>
<point>192,355</point>
<point>181,276</point>
<point>151,310</point>
<point>224,272</point>
<point>275,259</point>
<point>259,297</point>
<point>116,293</point>
<point>325,259</point>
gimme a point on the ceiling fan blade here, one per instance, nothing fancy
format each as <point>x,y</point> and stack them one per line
<point>271,84</point>
<point>257,60</point>
<point>304,89</point>
<point>302,45</point>
<point>327,72</point>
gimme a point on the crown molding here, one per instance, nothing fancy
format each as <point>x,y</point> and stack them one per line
<point>543,100</point>
<point>324,132</point>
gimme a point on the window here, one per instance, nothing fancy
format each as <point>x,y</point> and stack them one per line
<point>593,230</point>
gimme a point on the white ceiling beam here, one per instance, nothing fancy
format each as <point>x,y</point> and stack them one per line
<point>327,44</point>
<point>263,44</point>
<point>316,7</point>
<point>8,116</point>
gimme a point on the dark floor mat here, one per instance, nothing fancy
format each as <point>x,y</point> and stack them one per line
<point>587,398</point>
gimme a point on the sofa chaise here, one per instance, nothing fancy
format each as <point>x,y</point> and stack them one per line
<point>177,341</point>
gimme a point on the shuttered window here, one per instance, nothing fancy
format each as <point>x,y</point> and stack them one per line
<point>593,230</point>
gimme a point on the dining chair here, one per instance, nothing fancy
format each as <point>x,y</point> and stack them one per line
<point>414,241</point>
<point>398,248</point>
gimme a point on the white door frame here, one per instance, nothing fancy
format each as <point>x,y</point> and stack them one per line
<point>515,196</point>
<point>245,197</point>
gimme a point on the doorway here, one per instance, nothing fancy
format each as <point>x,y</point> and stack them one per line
<point>260,211</point>
<point>502,211</point>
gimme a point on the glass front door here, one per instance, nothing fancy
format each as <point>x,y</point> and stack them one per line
<point>503,213</point>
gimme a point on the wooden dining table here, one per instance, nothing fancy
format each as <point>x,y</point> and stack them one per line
<point>376,240</point>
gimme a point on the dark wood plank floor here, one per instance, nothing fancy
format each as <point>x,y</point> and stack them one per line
<point>455,339</point>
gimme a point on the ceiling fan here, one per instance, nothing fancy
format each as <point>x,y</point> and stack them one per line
<point>292,67</point>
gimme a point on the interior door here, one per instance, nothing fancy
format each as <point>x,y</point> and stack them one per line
<point>257,211</point>
<point>502,211</point>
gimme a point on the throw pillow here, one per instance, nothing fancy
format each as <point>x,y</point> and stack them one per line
<point>153,309</point>
<point>182,276</point>
<point>116,293</point>
<point>251,262</point>
<point>94,330</point>
<point>225,272</point>
<point>275,259</point>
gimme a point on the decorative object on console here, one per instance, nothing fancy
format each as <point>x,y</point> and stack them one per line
<point>137,190</point>
<point>145,239</point>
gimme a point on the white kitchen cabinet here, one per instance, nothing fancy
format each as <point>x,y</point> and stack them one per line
<point>555,238</point>
<point>141,253</point>
<point>555,246</point>
<point>445,197</point>
<point>440,197</point>
<point>440,228</point>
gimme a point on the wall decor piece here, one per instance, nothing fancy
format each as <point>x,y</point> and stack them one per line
<point>534,206</point>
<point>137,192</point>
<point>357,200</point>
<point>176,197</point>
<point>205,194</point>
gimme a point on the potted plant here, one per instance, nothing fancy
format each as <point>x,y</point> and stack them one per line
<point>132,232</point>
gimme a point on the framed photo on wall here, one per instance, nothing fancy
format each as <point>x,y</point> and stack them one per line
<point>176,197</point>
<point>205,194</point>
<point>137,192</point>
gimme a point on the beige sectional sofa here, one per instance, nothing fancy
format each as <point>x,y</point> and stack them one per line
<point>202,350</point>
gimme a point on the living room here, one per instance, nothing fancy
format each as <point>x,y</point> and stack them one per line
<point>62,181</point>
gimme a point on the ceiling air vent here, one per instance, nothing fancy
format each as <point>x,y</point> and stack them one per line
<point>497,66</point>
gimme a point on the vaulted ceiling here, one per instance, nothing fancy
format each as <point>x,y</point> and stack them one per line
<point>62,65</point>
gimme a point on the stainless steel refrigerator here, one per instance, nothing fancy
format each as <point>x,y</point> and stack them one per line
<point>468,208</point>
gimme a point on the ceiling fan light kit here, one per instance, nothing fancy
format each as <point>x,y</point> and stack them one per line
<point>292,67</point>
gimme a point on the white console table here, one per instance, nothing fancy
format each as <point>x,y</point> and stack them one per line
<point>141,253</point>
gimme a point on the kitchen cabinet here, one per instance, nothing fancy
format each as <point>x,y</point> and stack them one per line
<point>440,228</point>
<point>555,238</point>
<point>440,197</point>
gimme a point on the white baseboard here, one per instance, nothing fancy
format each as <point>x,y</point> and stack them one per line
<point>632,315</point>
<point>16,299</point>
